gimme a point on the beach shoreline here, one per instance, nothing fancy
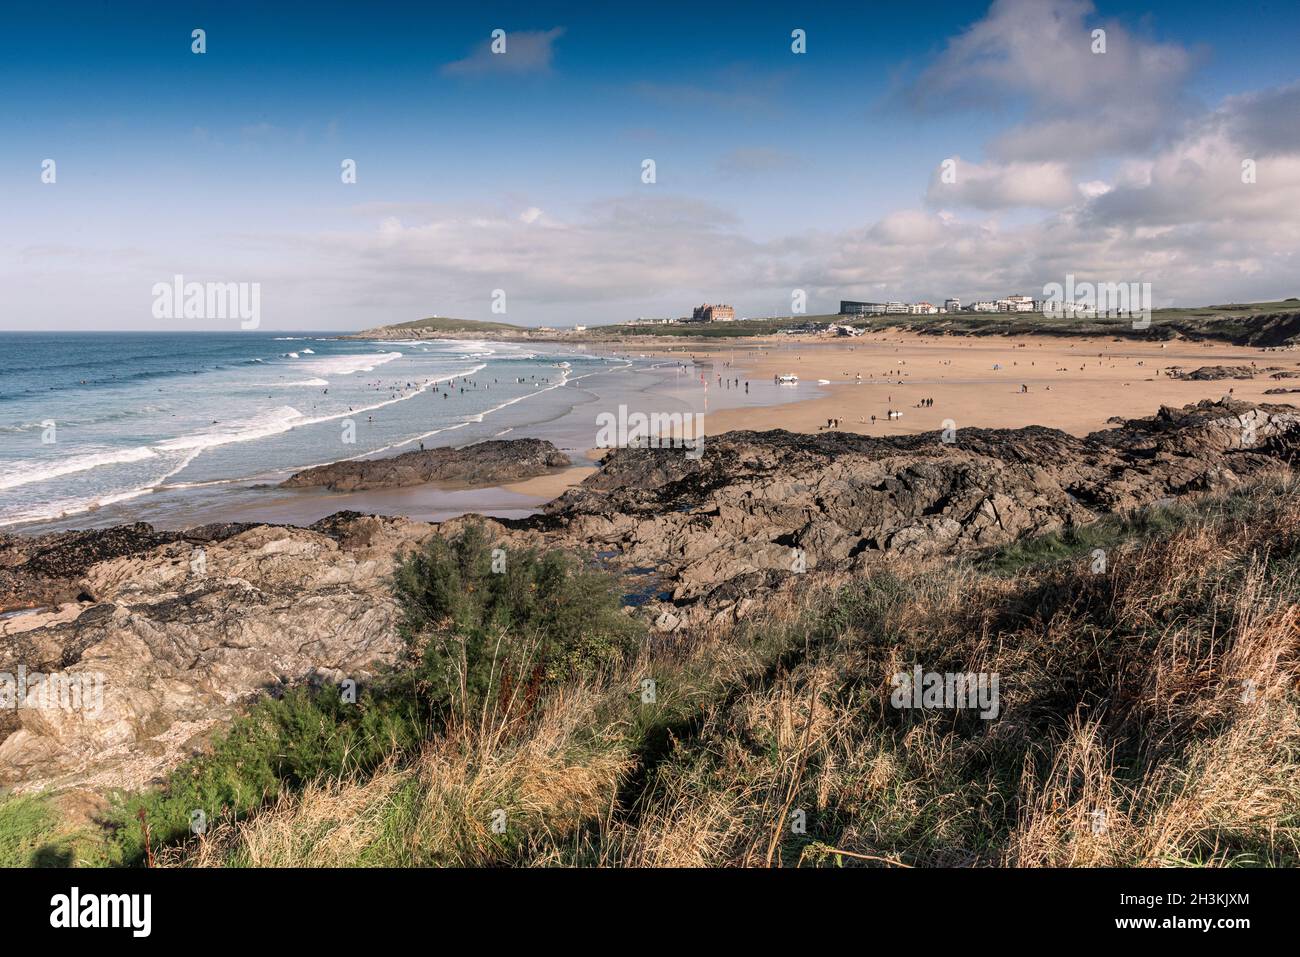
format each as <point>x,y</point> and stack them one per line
<point>1078,385</point>
<point>644,384</point>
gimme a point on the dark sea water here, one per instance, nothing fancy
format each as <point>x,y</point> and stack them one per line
<point>99,428</point>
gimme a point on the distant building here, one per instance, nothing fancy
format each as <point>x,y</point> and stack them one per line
<point>984,305</point>
<point>952,305</point>
<point>849,307</point>
<point>718,313</point>
<point>1016,304</point>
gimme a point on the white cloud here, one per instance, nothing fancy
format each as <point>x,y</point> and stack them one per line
<point>997,186</point>
<point>1036,56</point>
<point>526,51</point>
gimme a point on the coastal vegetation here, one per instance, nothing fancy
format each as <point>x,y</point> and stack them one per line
<point>1149,716</point>
<point>1260,323</point>
<point>1257,323</point>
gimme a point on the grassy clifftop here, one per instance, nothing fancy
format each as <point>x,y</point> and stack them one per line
<point>437,325</point>
<point>1257,324</point>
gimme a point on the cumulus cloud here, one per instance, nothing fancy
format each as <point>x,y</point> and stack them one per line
<point>1209,177</point>
<point>1266,122</point>
<point>1037,57</point>
<point>622,248</point>
<point>997,186</point>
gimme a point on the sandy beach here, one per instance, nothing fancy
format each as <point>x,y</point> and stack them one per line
<point>851,384</point>
<point>1075,385</point>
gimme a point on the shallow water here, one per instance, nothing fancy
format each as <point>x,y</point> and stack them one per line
<point>178,429</point>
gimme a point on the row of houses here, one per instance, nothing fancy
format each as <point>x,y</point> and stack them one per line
<point>721,312</point>
<point>1007,304</point>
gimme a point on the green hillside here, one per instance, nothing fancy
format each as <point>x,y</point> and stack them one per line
<point>446,324</point>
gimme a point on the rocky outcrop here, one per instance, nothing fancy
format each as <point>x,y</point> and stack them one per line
<point>771,502</point>
<point>170,640</point>
<point>42,570</point>
<point>1211,373</point>
<point>185,626</point>
<point>486,463</point>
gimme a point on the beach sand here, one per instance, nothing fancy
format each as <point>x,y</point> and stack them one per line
<point>1073,384</point>
<point>553,484</point>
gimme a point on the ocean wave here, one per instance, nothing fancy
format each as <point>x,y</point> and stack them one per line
<point>346,365</point>
<point>271,422</point>
<point>64,508</point>
<point>29,471</point>
<point>114,416</point>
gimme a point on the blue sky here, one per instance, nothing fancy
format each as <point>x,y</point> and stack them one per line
<point>522,172</point>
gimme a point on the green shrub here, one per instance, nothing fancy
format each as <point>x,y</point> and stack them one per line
<point>281,743</point>
<point>539,618</point>
<point>544,614</point>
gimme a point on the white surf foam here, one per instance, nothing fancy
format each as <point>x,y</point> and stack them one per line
<point>30,471</point>
<point>346,365</point>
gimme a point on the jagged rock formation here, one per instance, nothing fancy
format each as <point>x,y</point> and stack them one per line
<point>47,569</point>
<point>486,463</point>
<point>181,633</point>
<point>708,540</point>
<point>1267,329</point>
<point>1211,373</point>
<point>845,500</point>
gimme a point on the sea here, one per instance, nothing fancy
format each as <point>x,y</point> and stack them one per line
<point>180,429</point>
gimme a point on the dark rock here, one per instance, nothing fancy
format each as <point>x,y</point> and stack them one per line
<point>1211,373</point>
<point>487,463</point>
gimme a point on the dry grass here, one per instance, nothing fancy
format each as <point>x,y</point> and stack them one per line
<point>1149,716</point>
<point>543,782</point>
